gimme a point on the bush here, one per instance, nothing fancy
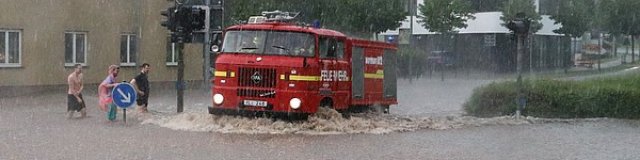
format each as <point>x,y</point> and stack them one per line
<point>614,97</point>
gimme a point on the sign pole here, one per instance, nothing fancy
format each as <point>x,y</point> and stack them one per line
<point>124,116</point>
<point>124,95</point>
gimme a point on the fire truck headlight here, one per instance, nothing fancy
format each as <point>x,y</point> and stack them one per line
<point>295,103</point>
<point>218,98</point>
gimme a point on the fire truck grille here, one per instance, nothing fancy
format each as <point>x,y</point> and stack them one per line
<point>257,77</point>
<point>257,93</point>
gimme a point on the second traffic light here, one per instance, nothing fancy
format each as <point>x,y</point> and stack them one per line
<point>182,21</point>
<point>170,22</point>
<point>196,19</point>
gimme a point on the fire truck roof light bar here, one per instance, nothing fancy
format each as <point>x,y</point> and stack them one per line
<point>279,16</point>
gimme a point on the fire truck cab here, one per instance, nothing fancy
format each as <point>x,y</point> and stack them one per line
<point>278,67</point>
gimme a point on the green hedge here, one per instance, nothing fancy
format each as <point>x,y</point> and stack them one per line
<point>614,97</point>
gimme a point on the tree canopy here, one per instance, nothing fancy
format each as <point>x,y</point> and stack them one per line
<point>357,17</point>
<point>575,16</point>
<point>445,16</point>
<point>620,16</point>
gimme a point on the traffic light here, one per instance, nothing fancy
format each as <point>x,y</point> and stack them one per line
<point>190,18</point>
<point>182,21</point>
<point>197,18</point>
<point>216,18</point>
<point>170,22</point>
<point>519,26</point>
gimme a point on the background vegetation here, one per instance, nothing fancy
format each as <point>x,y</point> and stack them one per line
<point>614,97</point>
<point>360,18</point>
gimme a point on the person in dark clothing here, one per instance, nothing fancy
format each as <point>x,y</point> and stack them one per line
<point>141,84</point>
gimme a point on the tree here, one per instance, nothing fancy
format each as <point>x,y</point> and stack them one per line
<point>356,17</point>
<point>445,16</point>
<point>621,17</point>
<point>364,17</point>
<point>575,16</point>
<point>511,8</point>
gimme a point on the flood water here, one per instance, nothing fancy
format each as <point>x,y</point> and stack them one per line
<point>423,104</point>
<point>427,124</point>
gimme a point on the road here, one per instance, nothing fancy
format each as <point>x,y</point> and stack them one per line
<point>427,124</point>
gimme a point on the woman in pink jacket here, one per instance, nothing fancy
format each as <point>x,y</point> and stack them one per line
<point>104,90</point>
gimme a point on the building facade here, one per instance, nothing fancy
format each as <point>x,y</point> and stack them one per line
<point>487,45</point>
<point>40,41</point>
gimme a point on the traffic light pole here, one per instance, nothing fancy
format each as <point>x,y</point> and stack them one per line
<point>182,21</point>
<point>180,83</point>
<point>520,27</point>
<point>520,49</point>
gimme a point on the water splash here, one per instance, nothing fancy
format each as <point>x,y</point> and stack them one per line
<point>325,122</point>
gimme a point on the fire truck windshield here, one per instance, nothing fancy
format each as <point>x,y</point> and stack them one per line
<point>269,42</point>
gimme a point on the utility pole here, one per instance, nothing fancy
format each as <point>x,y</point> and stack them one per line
<point>599,48</point>
<point>633,46</point>
<point>413,11</point>
<point>206,50</point>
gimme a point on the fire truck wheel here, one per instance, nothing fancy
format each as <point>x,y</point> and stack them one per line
<point>385,109</point>
<point>380,109</point>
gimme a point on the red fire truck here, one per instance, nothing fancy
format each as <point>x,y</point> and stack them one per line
<point>278,67</point>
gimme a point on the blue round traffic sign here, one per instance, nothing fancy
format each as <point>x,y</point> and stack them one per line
<point>124,95</point>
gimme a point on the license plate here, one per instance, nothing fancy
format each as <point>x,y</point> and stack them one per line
<point>254,103</point>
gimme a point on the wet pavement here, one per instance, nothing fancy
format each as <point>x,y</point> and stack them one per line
<point>427,124</point>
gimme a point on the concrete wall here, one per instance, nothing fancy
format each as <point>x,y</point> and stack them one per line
<point>43,25</point>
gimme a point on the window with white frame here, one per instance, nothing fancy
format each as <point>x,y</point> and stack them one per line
<point>10,48</point>
<point>172,53</point>
<point>75,48</point>
<point>128,47</point>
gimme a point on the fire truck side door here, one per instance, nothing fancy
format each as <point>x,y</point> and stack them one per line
<point>332,74</point>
